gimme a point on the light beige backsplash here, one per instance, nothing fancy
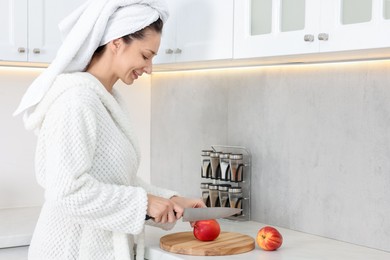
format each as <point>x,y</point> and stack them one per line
<point>319,136</point>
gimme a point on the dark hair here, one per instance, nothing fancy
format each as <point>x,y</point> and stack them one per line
<point>156,26</point>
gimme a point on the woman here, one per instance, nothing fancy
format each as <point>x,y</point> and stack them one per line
<point>87,155</point>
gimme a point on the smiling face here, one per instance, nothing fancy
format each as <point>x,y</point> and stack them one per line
<point>126,58</point>
<point>133,59</point>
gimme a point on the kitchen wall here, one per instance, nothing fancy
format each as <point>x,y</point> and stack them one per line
<point>319,137</point>
<point>18,187</point>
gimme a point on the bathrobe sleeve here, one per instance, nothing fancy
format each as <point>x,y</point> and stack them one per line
<point>154,190</point>
<point>157,191</point>
<point>70,133</point>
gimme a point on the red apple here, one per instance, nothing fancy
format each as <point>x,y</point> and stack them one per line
<point>269,238</point>
<point>206,230</point>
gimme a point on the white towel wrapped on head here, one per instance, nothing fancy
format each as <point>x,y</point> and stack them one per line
<point>93,24</point>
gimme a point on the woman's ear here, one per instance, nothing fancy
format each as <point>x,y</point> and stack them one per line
<point>114,45</point>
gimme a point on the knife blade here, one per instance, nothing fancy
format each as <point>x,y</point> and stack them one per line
<point>195,214</point>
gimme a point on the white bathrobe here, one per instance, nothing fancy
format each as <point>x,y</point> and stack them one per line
<point>86,160</point>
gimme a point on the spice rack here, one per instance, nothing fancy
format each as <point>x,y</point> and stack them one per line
<point>226,178</point>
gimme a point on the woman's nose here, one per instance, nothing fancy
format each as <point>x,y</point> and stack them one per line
<point>148,69</point>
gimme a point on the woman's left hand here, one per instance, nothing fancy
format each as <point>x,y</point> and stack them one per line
<point>183,203</point>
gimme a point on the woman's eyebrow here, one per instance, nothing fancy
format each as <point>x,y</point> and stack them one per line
<point>154,53</point>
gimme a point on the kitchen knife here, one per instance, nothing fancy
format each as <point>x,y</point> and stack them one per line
<point>195,214</point>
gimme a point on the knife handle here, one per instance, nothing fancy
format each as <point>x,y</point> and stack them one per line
<point>147,217</point>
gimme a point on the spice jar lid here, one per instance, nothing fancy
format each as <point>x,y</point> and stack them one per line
<point>213,186</point>
<point>224,155</point>
<point>235,189</point>
<point>223,188</point>
<point>215,154</point>
<point>205,185</point>
<point>206,152</point>
<point>236,156</point>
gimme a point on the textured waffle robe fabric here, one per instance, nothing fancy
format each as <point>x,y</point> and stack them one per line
<point>87,159</point>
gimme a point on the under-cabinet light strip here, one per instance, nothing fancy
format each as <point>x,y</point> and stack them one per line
<point>291,64</point>
<point>41,66</point>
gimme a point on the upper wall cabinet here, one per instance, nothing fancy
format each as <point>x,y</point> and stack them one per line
<point>354,24</point>
<point>197,30</point>
<point>29,28</point>
<point>13,30</point>
<point>274,27</point>
<point>282,27</point>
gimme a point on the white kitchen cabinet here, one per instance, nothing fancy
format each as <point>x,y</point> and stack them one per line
<point>30,28</point>
<point>44,37</point>
<point>13,30</point>
<point>197,30</point>
<point>264,28</point>
<point>269,28</point>
<point>354,24</point>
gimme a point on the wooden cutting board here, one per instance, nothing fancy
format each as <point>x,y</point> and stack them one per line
<point>228,243</point>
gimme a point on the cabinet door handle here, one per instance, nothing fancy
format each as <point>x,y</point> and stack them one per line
<point>308,38</point>
<point>177,51</point>
<point>323,36</point>
<point>168,51</point>
<point>36,51</point>
<point>21,50</point>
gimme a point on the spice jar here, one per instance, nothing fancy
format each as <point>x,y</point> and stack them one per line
<point>224,165</point>
<point>204,186</point>
<point>215,166</point>
<point>235,198</point>
<point>205,164</point>
<point>224,195</point>
<point>236,167</point>
<point>214,195</point>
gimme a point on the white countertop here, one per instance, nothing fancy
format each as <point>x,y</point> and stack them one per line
<point>17,226</point>
<point>296,246</point>
<point>14,253</point>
